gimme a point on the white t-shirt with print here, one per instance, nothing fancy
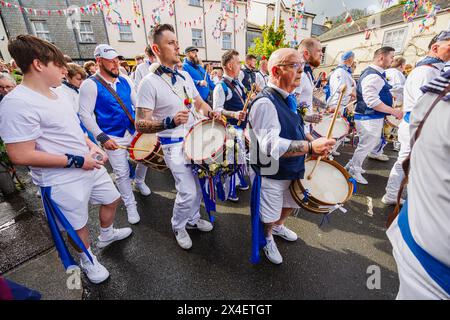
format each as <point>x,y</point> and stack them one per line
<point>26,115</point>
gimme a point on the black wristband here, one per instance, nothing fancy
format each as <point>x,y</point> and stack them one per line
<point>169,123</point>
<point>77,161</point>
<point>103,138</point>
<point>310,149</point>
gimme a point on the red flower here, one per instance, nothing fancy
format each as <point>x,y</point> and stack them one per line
<point>187,101</point>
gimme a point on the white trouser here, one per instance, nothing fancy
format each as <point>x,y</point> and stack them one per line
<point>369,133</point>
<point>189,194</point>
<point>415,283</point>
<point>119,162</point>
<point>396,176</point>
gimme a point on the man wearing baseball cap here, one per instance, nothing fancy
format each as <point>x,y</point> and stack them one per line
<point>107,101</point>
<point>202,80</point>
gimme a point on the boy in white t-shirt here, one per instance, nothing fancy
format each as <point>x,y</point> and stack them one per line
<point>41,130</point>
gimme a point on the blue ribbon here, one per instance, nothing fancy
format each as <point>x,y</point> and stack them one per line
<point>360,116</point>
<point>232,192</point>
<point>325,217</point>
<point>305,196</point>
<point>210,205</point>
<point>353,181</point>
<point>382,144</point>
<point>53,214</point>
<point>406,117</point>
<point>219,188</point>
<point>132,170</point>
<point>258,239</point>
<point>240,173</point>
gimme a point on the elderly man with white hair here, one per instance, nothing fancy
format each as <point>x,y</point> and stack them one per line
<point>7,84</point>
<point>280,136</point>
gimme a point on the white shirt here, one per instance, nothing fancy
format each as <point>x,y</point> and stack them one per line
<point>338,78</point>
<point>418,77</point>
<point>371,87</point>
<point>26,115</point>
<point>141,71</point>
<point>304,92</point>
<point>396,79</point>
<point>155,93</point>
<point>88,98</point>
<point>71,94</point>
<point>266,125</point>
<point>219,94</point>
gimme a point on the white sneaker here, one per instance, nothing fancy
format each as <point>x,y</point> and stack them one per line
<point>272,252</point>
<point>233,199</point>
<point>118,234</point>
<point>143,189</point>
<point>201,225</point>
<point>335,153</point>
<point>380,157</point>
<point>133,215</point>
<point>243,188</point>
<point>95,272</point>
<point>391,202</point>
<point>358,177</point>
<point>183,239</point>
<point>285,233</point>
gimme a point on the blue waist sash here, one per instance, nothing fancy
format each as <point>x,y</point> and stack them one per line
<point>170,140</point>
<point>438,271</point>
<point>406,116</point>
<point>359,116</point>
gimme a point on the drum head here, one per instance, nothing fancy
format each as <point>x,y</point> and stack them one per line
<point>145,141</point>
<point>340,128</point>
<point>205,140</point>
<point>329,184</point>
<point>298,196</point>
<point>393,121</point>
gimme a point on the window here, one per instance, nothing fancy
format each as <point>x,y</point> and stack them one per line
<point>226,4</point>
<point>197,37</point>
<point>195,3</point>
<point>226,40</point>
<point>324,49</point>
<point>395,39</point>
<point>41,30</point>
<point>85,32</point>
<point>125,32</point>
<point>304,23</point>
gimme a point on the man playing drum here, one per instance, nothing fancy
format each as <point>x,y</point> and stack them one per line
<point>164,107</point>
<point>280,135</point>
<point>106,110</point>
<point>42,130</point>
<point>374,102</point>
<point>229,99</point>
<point>426,70</point>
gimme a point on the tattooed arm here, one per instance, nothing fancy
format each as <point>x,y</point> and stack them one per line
<point>297,148</point>
<point>320,147</point>
<point>145,123</point>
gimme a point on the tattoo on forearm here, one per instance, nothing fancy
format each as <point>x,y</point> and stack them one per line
<point>228,114</point>
<point>145,123</point>
<point>297,147</point>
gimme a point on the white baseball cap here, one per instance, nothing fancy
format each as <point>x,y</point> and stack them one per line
<point>105,51</point>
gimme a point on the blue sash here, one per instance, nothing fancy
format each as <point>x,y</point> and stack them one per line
<point>258,238</point>
<point>169,140</point>
<point>361,117</point>
<point>406,117</point>
<point>54,214</point>
<point>438,271</point>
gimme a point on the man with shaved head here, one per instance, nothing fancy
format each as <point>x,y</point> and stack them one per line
<point>280,136</point>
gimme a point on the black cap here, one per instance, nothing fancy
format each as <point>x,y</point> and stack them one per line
<point>190,48</point>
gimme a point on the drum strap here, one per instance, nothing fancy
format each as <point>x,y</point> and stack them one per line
<point>406,163</point>
<point>115,95</point>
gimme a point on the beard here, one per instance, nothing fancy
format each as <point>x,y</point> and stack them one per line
<point>195,60</point>
<point>109,72</point>
<point>314,62</point>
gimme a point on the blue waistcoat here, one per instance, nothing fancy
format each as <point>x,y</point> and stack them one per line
<point>385,97</point>
<point>292,128</point>
<point>249,78</point>
<point>110,116</point>
<point>234,104</point>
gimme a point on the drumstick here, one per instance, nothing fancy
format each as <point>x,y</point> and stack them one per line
<point>135,149</point>
<point>330,129</point>
<point>248,100</point>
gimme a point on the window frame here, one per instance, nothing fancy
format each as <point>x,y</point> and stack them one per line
<point>128,33</point>
<point>200,4</point>
<point>46,32</point>
<point>324,51</point>
<point>80,33</point>
<point>201,38</point>
<point>304,23</point>
<point>230,41</point>
<point>401,43</point>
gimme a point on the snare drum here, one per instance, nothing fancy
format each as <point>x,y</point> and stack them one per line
<point>205,142</point>
<point>154,157</point>
<point>340,129</point>
<point>329,186</point>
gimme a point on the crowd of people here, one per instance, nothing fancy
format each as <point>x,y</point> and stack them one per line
<point>65,121</point>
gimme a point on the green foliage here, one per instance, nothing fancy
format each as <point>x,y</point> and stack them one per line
<point>271,40</point>
<point>3,155</point>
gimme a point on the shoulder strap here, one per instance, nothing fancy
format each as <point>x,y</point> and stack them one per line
<point>233,87</point>
<point>115,95</point>
<point>406,162</point>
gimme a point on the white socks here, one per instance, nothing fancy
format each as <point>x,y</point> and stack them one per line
<point>106,233</point>
<point>84,258</point>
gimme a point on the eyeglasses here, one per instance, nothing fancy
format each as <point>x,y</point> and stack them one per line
<point>293,65</point>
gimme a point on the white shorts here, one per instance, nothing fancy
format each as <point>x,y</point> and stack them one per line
<point>73,198</point>
<point>275,195</point>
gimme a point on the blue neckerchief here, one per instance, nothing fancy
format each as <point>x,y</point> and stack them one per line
<point>428,60</point>
<point>438,85</point>
<point>346,68</point>
<point>71,86</point>
<point>292,103</point>
<point>173,73</point>
<point>308,70</point>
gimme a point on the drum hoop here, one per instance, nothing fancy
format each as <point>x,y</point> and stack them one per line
<point>202,122</point>
<point>347,124</point>
<point>346,175</point>
<point>303,204</point>
<point>157,146</point>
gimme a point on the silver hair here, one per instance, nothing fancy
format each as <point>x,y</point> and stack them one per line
<point>7,76</point>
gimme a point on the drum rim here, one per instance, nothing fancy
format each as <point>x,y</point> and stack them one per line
<point>157,146</point>
<point>347,124</point>
<point>305,205</point>
<point>213,155</point>
<point>343,171</point>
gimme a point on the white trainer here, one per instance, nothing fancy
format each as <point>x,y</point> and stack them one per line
<point>117,234</point>
<point>243,188</point>
<point>133,215</point>
<point>285,233</point>
<point>183,239</point>
<point>143,189</point>
<point>358,177</point>
<point>272,253</point>
<point>233,199</point>
<point>201,225</point>
<point>391,202</point>
<point>380,157</point>
<point>95,272</point>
